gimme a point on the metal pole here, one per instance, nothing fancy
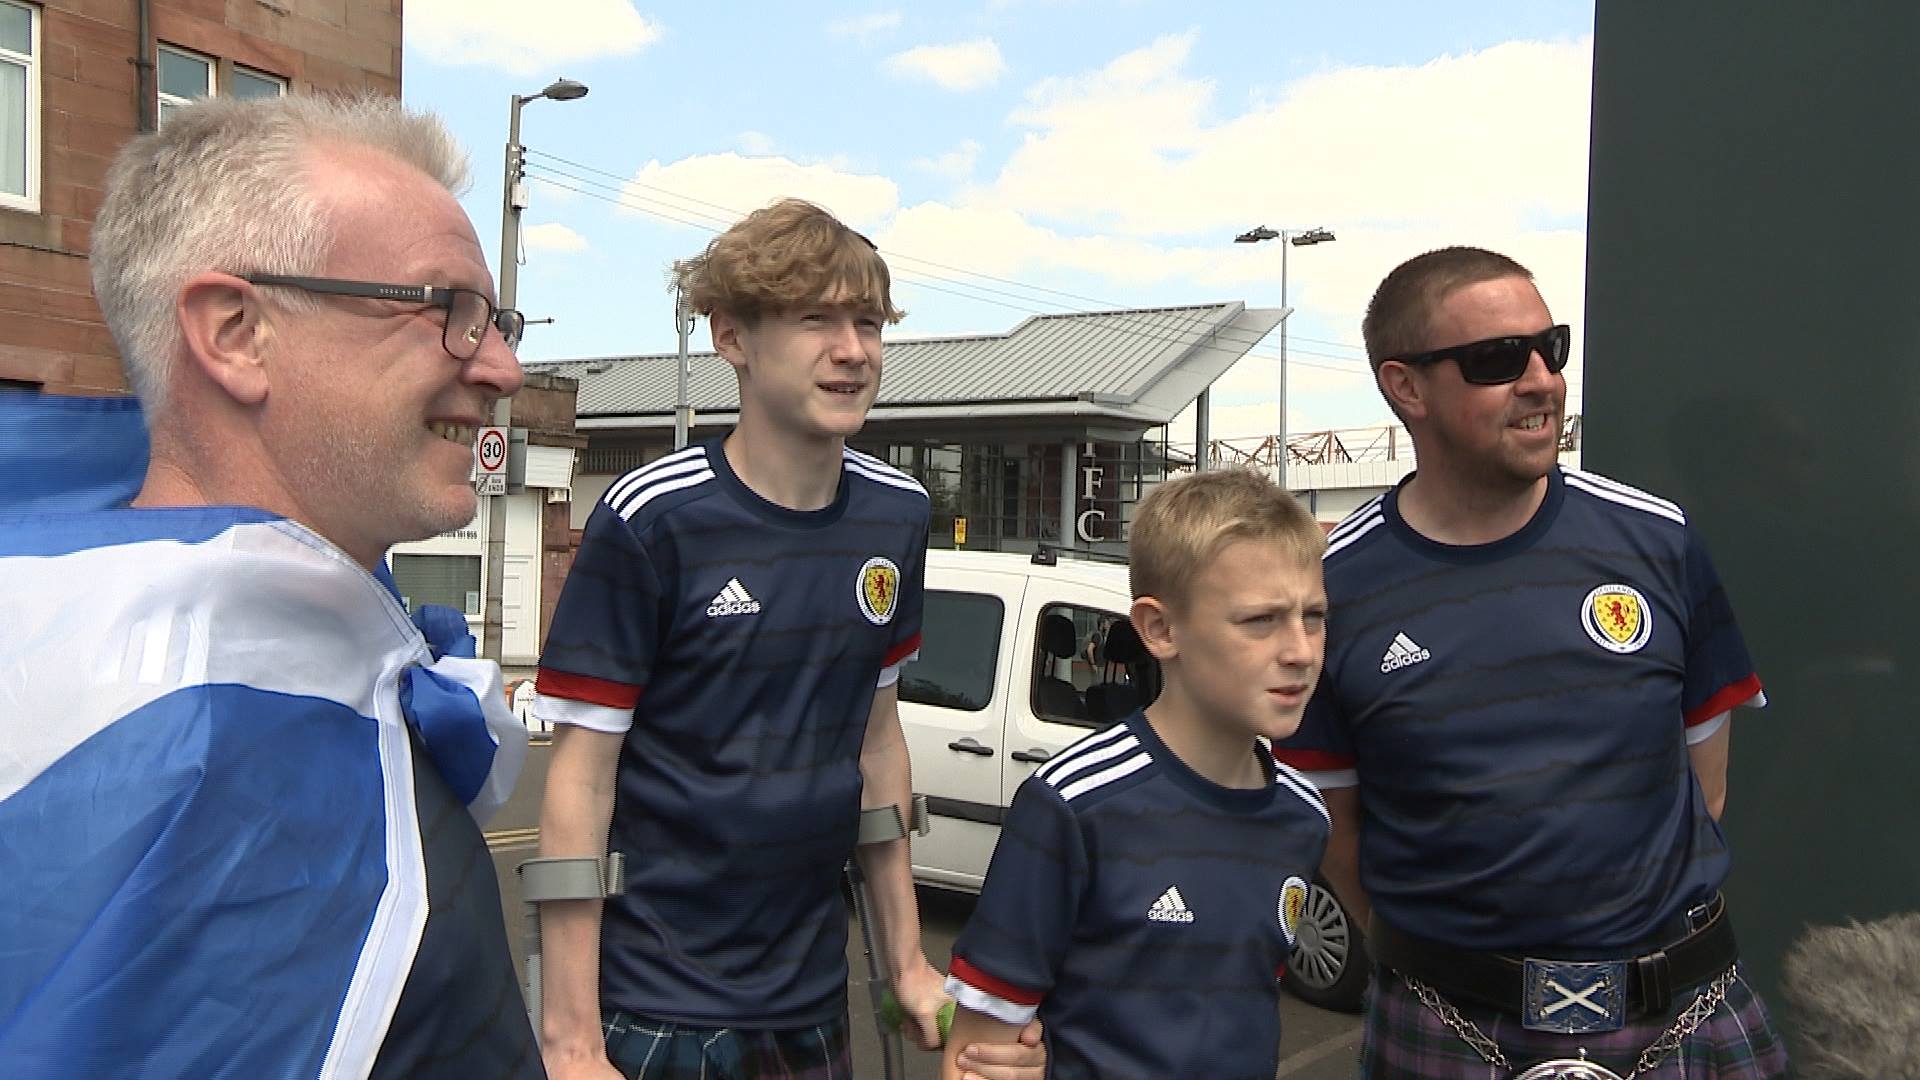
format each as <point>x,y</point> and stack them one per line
<point>1069,490</point>
<point>683,405</point>
<point>1202,431</point>
<point>493,619</point>
<point>1280,437</point>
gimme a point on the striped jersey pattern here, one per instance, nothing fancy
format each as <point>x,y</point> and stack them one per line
<point>1137,909</point>
<point>737,646</point>
<point>1517,716</point>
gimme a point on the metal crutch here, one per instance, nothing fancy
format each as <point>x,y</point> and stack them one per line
<point>576,878</point>
<point>878,826</point>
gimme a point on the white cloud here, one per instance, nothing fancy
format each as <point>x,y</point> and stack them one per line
<point>506,34</point>
<point>1498,135</point>
<point>729,186</point>
<point>754,143</point>
<point>864,27</point>
<point>966,65</point>
<point>1131,177</point>
<point>955,164</point>
<point>553,236</point>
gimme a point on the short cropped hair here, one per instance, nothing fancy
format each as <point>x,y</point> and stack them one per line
<point>782,257</point>
<point>1182,525</point>
<point>1400,315</point>
<point>224,186</point>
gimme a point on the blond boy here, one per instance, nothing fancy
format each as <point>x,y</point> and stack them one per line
<point>1148,880</point>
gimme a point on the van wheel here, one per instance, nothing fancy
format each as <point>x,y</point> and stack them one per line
<point>1329,966</point>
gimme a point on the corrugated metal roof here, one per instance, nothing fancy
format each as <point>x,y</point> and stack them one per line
<point>1111,356</point>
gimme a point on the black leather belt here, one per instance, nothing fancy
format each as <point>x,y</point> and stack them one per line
<point>1498,980</point>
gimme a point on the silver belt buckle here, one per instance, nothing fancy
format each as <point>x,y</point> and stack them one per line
<point>1569,997</point>
<point>1569,1069</point>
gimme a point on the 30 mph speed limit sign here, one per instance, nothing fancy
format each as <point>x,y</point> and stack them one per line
<point>490,461</point>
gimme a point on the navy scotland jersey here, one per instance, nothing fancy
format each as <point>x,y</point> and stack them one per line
<point>1143,911</point>
<point>738,644</point>
<point>1517,715</point>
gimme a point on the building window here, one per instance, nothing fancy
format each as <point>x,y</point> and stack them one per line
<point>248,83</point>
<point>448,580</point>
<point>184,76</point>
<point>19,106</point>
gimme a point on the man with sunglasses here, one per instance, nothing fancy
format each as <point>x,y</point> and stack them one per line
<point>240,789</point>
<point>1522,731</point>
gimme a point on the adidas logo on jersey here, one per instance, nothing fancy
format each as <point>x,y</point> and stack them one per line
<point>733,600</point>
<point>1170,908</point>
<point>1403,653</point>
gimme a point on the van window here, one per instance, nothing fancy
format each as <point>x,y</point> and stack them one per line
<point>959,648</point>
<point>1073,683</point>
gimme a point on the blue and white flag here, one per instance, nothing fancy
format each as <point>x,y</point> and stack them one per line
<point>209,843</point>
<point>70,453</point>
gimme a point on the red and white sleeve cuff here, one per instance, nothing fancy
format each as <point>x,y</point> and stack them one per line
<point>975,989</point>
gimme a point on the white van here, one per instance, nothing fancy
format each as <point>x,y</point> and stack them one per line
<point>1020,656</point>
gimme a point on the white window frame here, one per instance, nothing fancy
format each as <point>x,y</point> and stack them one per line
<point>162,98</point>
<point>30,201</point>
<point>264,76</point>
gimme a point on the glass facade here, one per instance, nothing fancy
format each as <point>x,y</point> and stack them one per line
<point>1016,496</point>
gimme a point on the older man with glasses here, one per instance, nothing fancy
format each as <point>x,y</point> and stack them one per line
<point>1522,730</point>
<point>241,787</point>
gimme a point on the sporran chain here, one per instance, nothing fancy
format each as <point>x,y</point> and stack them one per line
<point>1703,1006</point>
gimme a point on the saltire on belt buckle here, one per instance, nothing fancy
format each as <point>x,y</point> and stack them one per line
<point>1568,997</point>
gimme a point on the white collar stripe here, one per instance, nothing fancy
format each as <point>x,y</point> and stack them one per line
<point>1127,767</point>
<point>1297,784</point>
<point>642,498</point>
<point>1086,744</point>
<point>672,464</point>
<point>1623,489</point>
<point>1355,519</point>
<point>1347,541</point>
<point>627,486</point>
<point>1656,510</point>
<point>891,478</point>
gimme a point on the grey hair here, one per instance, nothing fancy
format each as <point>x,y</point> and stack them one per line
<point>1856,991</point>
<point>225,186</point>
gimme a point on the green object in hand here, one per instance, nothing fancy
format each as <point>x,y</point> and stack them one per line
<point>894,1017</point>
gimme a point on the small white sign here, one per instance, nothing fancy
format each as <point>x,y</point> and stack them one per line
<point>490,461</point>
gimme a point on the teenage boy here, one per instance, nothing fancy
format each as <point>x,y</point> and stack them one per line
<point>721,678</point>
<point>1148,880</point>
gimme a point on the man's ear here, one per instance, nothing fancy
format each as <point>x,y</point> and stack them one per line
<point>1404,389</point>
<point>730,334</point>
<point>222,320</point>
<point>1151,622</point>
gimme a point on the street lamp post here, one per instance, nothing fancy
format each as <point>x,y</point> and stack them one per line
<point>513,199</point>
<point>1293,238</point>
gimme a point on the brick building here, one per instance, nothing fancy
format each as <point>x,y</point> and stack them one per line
<point>77,78</point>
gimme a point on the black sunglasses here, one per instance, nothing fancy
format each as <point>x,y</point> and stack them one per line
<point>1501,360</point>
<point>469,313</point>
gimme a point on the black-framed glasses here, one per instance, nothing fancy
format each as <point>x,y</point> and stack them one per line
<point>1499,360</point>
<point>469,312</point>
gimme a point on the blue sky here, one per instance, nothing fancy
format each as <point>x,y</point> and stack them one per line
<point>1020,157</point>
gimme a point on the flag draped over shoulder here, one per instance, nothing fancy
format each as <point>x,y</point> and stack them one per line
<point>69,453</point>
<point>212,857</point>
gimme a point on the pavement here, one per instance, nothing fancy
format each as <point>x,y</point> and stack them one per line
<point>1314,1044</point>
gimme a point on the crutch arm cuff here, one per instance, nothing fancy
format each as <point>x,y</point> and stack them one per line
<point>576,878</point>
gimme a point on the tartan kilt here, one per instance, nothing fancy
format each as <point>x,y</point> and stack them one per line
<point>1405,1041</point>
<point>644,1049</point>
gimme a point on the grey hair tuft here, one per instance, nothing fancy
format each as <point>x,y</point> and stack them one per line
<point>224,186</point>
